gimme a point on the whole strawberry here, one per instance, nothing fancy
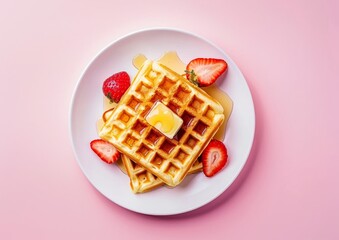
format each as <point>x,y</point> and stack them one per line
<point>116,85</point>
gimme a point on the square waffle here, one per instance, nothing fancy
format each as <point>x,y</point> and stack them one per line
<point>127,129</point>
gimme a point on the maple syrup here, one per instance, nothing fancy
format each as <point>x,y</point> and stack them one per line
<point>139,60</point>
<point>226,102</point>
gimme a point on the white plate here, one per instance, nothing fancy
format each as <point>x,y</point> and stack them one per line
<point>87,106</point>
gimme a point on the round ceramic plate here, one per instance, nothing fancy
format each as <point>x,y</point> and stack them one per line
<point>87,106</point>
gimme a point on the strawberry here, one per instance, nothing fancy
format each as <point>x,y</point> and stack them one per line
<point>214,157</point>
<point>105,150</point>
<point>116,85</point>
<point>205,71</point>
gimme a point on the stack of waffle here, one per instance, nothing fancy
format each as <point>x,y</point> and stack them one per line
<point>151,158</point>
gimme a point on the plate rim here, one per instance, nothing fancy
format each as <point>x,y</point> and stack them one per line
<point>123,37</point>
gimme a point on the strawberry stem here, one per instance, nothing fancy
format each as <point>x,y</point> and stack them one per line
<point>192,77</point>
<point>109,97</point>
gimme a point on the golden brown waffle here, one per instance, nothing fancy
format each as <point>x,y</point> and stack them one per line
<point>142,180</point>
<point>127,129</point>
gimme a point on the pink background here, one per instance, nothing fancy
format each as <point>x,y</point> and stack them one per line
<point>288,52</point>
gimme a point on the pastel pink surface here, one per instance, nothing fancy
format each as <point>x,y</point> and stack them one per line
<point>288,54</point>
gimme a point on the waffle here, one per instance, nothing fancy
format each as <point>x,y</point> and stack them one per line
<point>127,129</point>
<point>142,180</point>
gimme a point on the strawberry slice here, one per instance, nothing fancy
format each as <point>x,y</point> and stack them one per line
<point>116,85</point>
<point>105,150</point>
<point>214,157</point>
<point>205,71</point>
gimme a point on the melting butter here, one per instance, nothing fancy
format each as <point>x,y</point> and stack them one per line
<point>163,119</point>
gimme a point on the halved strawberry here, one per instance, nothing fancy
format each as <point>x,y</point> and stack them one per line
<point>205,71</point>
<point>214,157</point>
<point>116,85</point>
<point>105,150</point>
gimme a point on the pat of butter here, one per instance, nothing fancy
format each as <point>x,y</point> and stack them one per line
<point>164,120</point>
